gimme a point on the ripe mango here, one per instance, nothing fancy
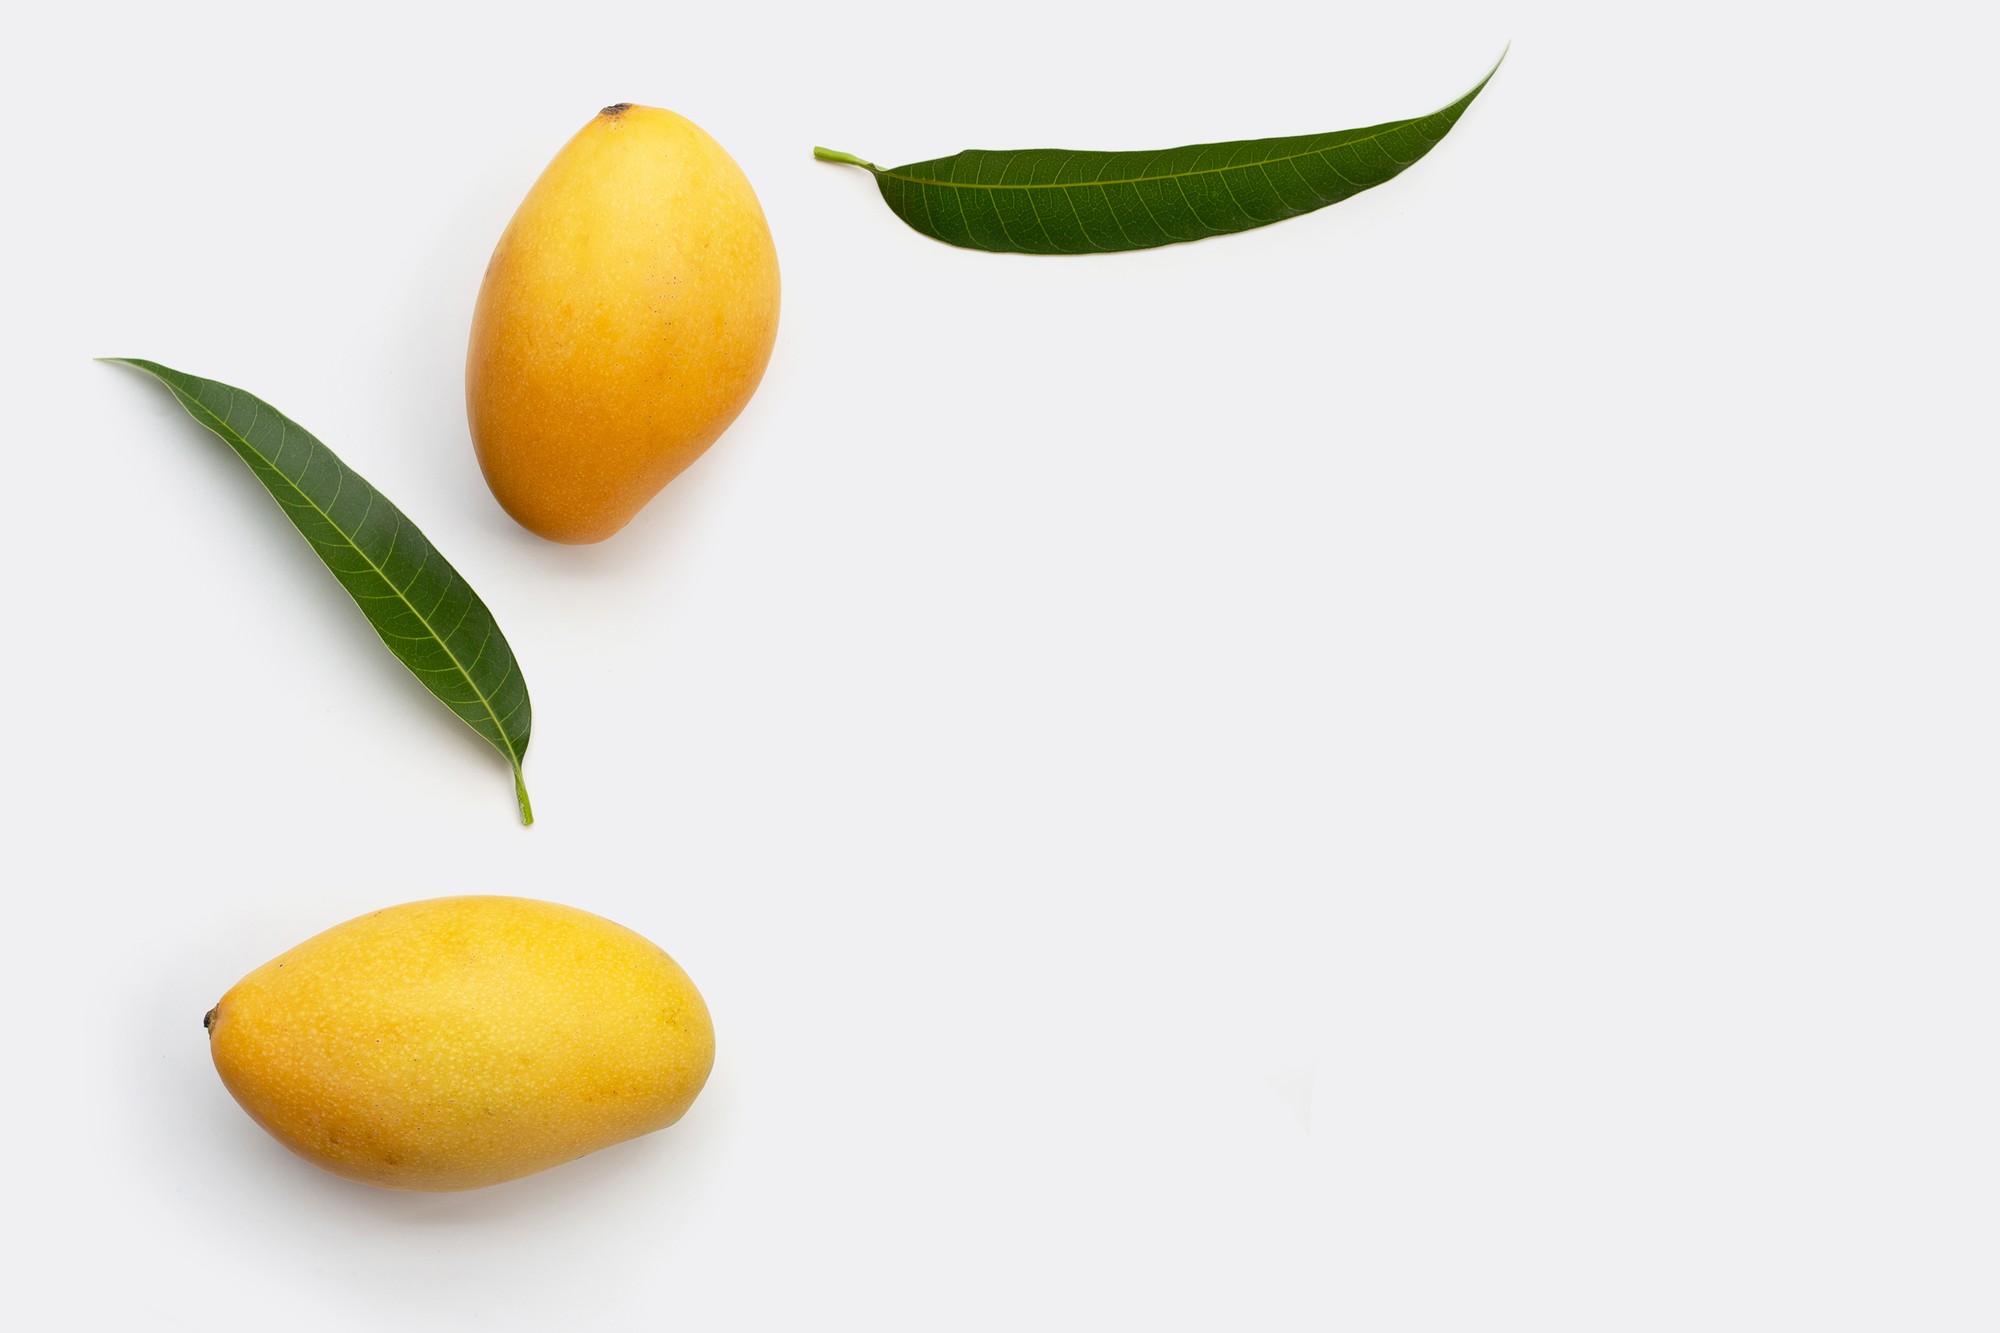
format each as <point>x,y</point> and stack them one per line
<point>460,1042</point>
<point>626,317</point>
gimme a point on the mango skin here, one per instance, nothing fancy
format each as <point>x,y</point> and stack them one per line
<point>625,319</point>
<point>460,1042</point>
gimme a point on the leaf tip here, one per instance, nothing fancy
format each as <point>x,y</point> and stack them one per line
<point>136,362</point>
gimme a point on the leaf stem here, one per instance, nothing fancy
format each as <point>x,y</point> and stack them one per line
<point>521,795</point>
<point>833,155</point>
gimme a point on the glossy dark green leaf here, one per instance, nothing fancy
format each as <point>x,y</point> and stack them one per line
<point>425,612</point>
<point>1058,201</point>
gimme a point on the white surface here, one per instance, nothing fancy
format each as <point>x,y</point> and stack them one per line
<point>1427,767</point>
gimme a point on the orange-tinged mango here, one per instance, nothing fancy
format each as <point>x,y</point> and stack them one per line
<point>625,319</point>
<point>460,1042</point>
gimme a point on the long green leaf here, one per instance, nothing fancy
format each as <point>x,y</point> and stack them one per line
<point>427,614</point>
<point>1055,201</point>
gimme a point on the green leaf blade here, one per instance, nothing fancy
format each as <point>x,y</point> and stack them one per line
<point>1075,201</point>
<point>422,609</point>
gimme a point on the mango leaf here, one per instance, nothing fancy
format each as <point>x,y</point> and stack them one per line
<point>425,612</point>
<point>1058,201</point>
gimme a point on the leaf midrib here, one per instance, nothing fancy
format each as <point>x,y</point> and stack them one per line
<point>228,432</point>
<point>1166,176</point>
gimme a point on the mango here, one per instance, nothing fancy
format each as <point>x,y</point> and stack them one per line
<point>460,1042</point>
<point>625,319</point>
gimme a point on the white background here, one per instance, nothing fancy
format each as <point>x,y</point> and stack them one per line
<point>1428,767</point>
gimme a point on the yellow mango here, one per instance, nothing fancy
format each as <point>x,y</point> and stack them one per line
<point>460,1042</point>
<point>626,317</point>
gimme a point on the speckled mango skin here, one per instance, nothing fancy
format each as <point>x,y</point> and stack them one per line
<point>460,1042</point>
<point>626,317</point>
